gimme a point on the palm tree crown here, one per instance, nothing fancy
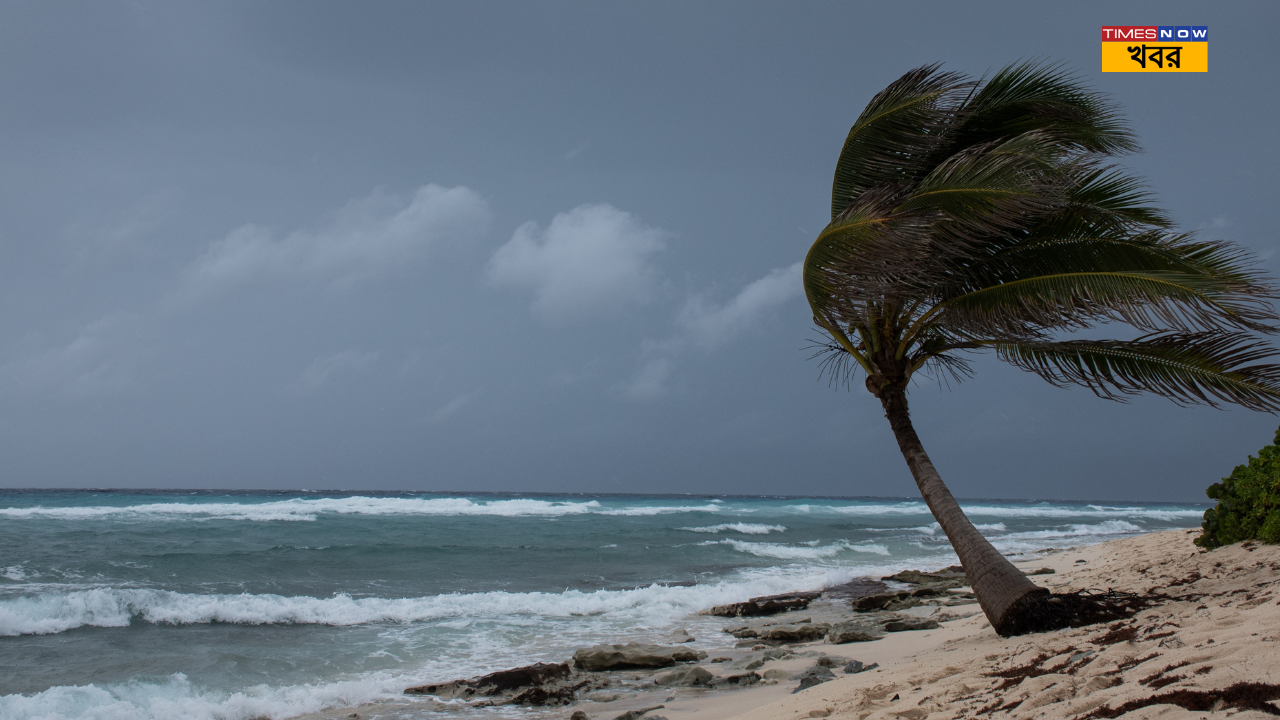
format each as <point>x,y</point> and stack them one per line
<point>971,216</point>
<point>967,217</point>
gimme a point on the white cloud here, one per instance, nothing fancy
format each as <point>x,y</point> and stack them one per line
<point>98,361</point>
<point>705,326</point>
<point>367,238</point>
<point>322,369</point>
<point>591,260</point>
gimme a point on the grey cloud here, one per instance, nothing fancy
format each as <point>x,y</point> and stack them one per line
<point>706,326</point>
<point>590,261</point>
<point>125,235</point>
<point>323,369</point>
<point>369,237</point>
<point>135,135</point>
<point>449,409</point>
<point>651,380</point>
<point>98,361</point>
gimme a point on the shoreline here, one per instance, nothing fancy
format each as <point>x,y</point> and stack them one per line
<point>1219,628</point>
<point>340,626</point>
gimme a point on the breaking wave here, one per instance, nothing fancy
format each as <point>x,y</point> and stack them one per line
<point>1109,527</point>
<point>744,528</point>
<point>117,607</point>
<point>1017,511</point>
<point>804,551</point>
<point>176,698</point>
<point>307,509</point>
<point>643,510</point>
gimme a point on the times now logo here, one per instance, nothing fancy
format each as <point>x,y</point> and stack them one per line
<point>1163,33</point>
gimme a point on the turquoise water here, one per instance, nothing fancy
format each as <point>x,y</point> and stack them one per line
<point>242,605</point>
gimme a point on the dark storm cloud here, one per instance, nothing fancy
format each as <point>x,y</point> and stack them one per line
<point>534,246</point>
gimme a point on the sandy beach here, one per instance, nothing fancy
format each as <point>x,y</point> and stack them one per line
<point>1210,649</point>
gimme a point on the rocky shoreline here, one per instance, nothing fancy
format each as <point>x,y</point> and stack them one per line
<point>771,636</point>
<point>1207,646</point>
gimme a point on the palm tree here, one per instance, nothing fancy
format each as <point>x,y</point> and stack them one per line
<point>969,216</point>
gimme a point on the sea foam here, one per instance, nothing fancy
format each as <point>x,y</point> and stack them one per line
<point>1108,527</point>
<point>744,528</point>
<point>50,613</point>
<point>308,509</point>
<point>176,698</point>
<point>803,551</point>
<point>1014,511</point>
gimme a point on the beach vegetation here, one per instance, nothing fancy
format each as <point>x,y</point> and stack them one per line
<point>988,215</point>
<point>1248,506</point>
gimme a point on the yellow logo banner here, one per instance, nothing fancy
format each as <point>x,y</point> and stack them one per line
<point>1157,57</point>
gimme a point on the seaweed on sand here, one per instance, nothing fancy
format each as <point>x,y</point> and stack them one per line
<point>1044,612</point>
<point>1242,695</point>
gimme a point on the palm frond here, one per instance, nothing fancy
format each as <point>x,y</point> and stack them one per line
<point>969,216</point>
<point>986,190</point>
<point>1107,198</point>
<point>1039,96</point>
<point>834,362</point>
<point>862,255</point>
<point>1151,251</point>
<point>947,368</point>
<point>895,133</point>
<point>1190,368</point>
<point>1149,300</point>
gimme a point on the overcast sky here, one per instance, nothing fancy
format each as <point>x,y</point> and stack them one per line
<point>536,246</point>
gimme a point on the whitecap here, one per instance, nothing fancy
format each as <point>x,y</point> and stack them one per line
<point>55,612</point>
<point>1107,527</point>
<point>176,698</point>
<point>744,528</point>
<point>1167,514</point>
<point>986,528</point>
<point>308,509</point>
<point>643,510</point>
<point>802,551</point>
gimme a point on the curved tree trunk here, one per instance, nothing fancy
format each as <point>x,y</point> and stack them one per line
<point>998,585</point>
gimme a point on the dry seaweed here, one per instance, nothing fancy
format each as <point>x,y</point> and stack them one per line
<point>1015,675</point>
<point>1131,663</point>
<point>1045,612</point>
<point>1118,633</point>
<point>1155,676</point>
<point>1242,695</point>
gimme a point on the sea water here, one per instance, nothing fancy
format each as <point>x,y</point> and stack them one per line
<point>173,605</point>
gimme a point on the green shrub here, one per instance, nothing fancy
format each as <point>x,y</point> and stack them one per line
<point>1248,502</point>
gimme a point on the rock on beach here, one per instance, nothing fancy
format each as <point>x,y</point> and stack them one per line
<point>765,605</point>
<point>852,631</point>
<point>633,655</point>
<point>815,675</point>
<point>537,684</point>
<point>692,676</point>
<point>911,624</point>
<point>801,633</point>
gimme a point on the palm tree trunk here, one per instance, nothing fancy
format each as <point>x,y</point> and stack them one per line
<point>998,585</point>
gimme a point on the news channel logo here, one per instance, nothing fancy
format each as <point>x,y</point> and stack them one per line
<point>1155,48</point>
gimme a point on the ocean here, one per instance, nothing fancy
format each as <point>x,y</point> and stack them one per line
<point>239,605</point>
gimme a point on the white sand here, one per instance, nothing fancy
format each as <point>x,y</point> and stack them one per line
<point>1221,627</point>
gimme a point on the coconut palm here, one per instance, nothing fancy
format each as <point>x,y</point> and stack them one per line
<point>970,216</point>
